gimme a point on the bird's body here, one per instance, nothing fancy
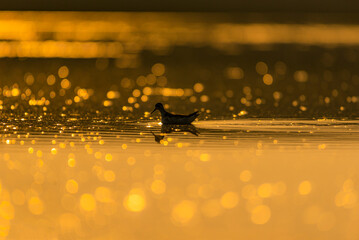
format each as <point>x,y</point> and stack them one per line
<point>169,118</point>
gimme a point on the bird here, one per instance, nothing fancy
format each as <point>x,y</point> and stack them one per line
<point>169,118</point>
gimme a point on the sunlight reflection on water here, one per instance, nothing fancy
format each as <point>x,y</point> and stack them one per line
<point>81,157</point>
<point>252,174</point>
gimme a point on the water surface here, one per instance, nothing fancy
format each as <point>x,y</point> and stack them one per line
<point>272,155</point>
<point>246,178</point>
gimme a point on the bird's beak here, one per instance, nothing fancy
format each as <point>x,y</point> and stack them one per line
<point>154,110</point>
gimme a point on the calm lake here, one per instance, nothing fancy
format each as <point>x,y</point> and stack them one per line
<point>273,154</point>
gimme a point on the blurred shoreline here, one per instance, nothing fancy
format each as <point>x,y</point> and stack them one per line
<point>222,64</point>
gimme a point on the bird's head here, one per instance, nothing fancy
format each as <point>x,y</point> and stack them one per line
<point>158,106</point>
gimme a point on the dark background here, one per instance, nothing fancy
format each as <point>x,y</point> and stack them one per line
<point>320,6</point>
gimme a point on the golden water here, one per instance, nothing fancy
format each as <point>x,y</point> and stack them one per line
<point>274,154</point>
<point>254,179</point>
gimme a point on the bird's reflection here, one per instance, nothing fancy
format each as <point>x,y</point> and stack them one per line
<point>158,138</point>
<point>169,128</point>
